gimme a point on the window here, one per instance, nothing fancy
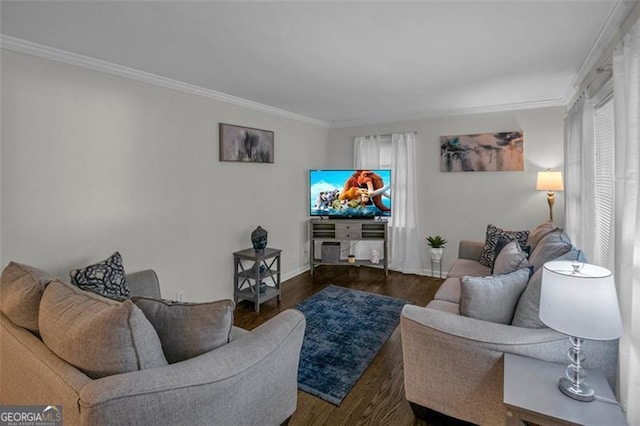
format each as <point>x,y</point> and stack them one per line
<point>604,179</point>
<point>397,152</point>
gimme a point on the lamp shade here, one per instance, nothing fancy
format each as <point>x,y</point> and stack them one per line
<point>549,181</point>
<point>579,299</point>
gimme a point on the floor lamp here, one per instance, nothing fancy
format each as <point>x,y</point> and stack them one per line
<point>550,181</point>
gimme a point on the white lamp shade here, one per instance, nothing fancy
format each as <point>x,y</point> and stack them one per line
<point>580,303</point>
<point>549,181</point>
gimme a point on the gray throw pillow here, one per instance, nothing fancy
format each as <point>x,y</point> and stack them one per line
<point>538,233</point>
<point>554,244</point>
<point>493,235</point>
<point>21,288</point>
<point>528,309</point>
<point>99,336</point>
<point>493,298</point>
<point>187,330</point>
<point>510,259</point>
<point>106,278</point>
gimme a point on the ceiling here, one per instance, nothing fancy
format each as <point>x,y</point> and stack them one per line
<point>339,62</point>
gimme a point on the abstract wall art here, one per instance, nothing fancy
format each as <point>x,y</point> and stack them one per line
<point>482,152</point>
<point>246,144</point>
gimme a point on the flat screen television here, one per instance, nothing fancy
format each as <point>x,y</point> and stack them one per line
<point>350,193</point>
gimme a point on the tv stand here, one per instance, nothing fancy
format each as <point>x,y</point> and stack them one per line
<point>350,230</point>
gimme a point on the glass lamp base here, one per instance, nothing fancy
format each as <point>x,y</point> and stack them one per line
<point>582,392</point>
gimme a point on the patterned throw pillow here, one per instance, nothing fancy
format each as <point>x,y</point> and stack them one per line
<point>488,255</point>
<point>106,278</point>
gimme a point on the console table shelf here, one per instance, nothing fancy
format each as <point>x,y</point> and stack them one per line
<point>336,230</point>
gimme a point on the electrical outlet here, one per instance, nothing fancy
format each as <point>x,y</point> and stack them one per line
<point>180,296</point>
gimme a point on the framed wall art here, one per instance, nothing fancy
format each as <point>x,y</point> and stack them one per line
<point>482,152</point>
<point>245,144</point>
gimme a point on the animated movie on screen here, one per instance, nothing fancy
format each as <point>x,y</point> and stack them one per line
<point>350,193</point>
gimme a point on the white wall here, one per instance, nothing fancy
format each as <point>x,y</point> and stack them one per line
<point>460,205</point>
<point>93,163</point>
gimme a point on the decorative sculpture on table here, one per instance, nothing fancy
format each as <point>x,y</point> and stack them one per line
<point>375,257</point>
<point>259,239</point>
<point>263,285</point>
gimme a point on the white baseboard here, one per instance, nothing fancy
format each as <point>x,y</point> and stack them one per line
<point>305,268</point>
<point>295,272</point>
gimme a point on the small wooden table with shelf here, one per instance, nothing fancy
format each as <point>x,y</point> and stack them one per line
<point>247,276</point>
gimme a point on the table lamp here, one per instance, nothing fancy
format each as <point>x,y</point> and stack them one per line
<point>550,181</point>
<point>579,299</point>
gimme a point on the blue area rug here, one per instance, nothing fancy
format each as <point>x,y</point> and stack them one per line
<point>345,330</point>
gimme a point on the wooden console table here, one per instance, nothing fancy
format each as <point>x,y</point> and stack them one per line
<point>332,230</point>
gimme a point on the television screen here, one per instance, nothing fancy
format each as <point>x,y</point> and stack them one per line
<point>350,193</point>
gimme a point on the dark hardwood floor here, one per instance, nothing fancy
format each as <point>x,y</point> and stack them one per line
<point>378,397</point>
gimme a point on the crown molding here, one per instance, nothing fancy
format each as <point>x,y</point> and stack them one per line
<point>602,47</point>
<point>618,22</point>
<point>484,109</point>
<point>610,32</point>
<point>35,49</point>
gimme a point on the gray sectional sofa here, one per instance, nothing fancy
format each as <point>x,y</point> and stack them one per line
<point>453,364</point>
<point>252,379</point>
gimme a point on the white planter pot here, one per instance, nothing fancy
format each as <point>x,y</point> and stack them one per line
<point>436,254</point>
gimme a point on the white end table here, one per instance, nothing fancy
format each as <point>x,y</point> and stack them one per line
<point>531,394</point>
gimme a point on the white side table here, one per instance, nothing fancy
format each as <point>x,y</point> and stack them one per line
<point>531,394</point>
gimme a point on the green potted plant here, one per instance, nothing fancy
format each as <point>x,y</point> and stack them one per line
<point>437,244</point>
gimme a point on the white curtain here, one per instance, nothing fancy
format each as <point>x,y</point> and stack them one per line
<point>626,80</point>
<point>398,153</point>
<point>368,153</point>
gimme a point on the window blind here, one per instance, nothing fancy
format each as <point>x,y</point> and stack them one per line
<point>604,181</point>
